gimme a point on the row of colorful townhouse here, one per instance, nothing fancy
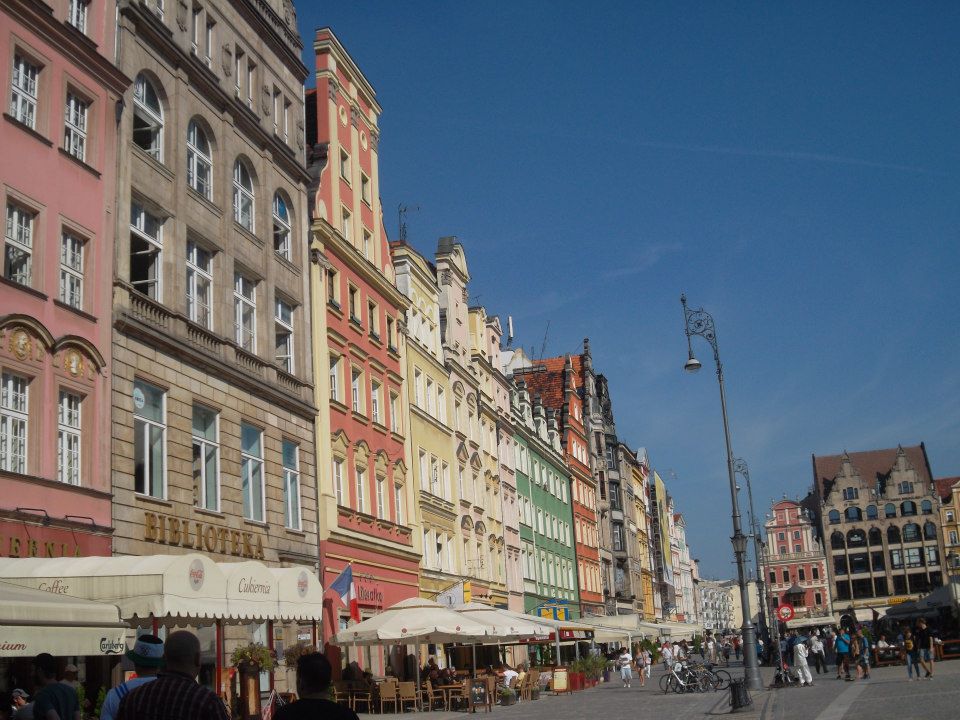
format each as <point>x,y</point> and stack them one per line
<point>210,345</point>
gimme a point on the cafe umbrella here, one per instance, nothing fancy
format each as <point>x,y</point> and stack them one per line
<point>503,626</point>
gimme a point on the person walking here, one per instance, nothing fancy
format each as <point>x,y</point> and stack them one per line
<point>313,682</point>
<point>647,659</point>
<point>666,654</point>
<point>842,646</point>
<point>175,694</point>
<point>923,641</point>
<point>624,662</point>
<point>816,652</point>
<point>910,653</point>
<point>863,655</point>
<point>736,646</point>
<point>54,700</point>
<point>800,662</point>
<point>147,656</point>
<point>21,707</point>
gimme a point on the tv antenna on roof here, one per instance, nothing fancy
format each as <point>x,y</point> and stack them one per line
<point>402,211</point>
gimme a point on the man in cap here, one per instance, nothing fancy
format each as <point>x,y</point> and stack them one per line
<point>175,694</point>
<point>21,707</point>
<point>147,657</point>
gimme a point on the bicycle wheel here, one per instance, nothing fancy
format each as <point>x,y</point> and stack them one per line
<point>665,682</point>
<point>724,677</point>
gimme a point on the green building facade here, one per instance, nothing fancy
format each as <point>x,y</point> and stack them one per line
<point>547,556</point>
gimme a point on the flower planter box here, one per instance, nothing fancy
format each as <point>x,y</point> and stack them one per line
<point>508,698</point>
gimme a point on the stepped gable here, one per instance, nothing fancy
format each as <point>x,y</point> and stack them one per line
<point>872,466</point>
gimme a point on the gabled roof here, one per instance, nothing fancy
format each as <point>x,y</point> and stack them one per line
<point>945,487</point>
<point>546,379</point>
<point>872,465</point>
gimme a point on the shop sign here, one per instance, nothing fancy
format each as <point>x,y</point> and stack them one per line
<point>369,594</point>
<point>24,540</point>
<point>576,634</point>
<point>168,530</point>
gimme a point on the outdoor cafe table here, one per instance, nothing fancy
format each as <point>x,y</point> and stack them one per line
<point>447,690</point>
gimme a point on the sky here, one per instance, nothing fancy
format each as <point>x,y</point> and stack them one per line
<point>792,167</point>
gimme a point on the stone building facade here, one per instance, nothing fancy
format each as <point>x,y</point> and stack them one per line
<point>212,394</point>
<point>796,565</point>
<point>878,515</point>
<point>948,489</point>
<point>716,606</point>
<point>56,363</point>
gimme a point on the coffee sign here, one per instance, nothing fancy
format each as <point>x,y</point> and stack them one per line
<point>169,530</point>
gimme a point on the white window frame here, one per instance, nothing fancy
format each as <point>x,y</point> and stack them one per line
<point>345,166</point>
<point>365,188</point>
<point>291,487</point>
<point>346,221</point>
<point>205,444</point>
<point>243,195</point>
<point>150,116</point>
<point>376,388</point>
<point>77,14</point>
<point>381,498</point>
<point>252,465</point>
<point>23,91</point>
<point>69,437</point>
<point>146,424</point>
<point>337,477</point>
<point>138,224</point>
<point>394,412</point>
<point>71,270</point>
<point>75,112</point>
<point>336,375</point>
<point>284,327</point>
<point>398,503</point>
<point>360,476</point>
<point>282,230</point>
<point>14,422</point>
<point>356,389</point>
<point>199,161</point>
<point>243,301</point>
<point>198,278</point>
<point>18,242</point>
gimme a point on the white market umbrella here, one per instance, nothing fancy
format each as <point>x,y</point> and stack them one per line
<point>502,625</point>
<point>413,620</point>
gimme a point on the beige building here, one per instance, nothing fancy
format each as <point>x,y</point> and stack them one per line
<point>736,606</point>
<point>430,437</point>
<point>213,415</point>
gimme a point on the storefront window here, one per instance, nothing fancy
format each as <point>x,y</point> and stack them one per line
<point>149,438</point>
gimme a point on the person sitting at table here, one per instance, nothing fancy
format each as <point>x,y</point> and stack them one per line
<point>882,643</point>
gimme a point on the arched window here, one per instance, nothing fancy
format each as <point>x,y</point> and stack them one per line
<point>147,118</point>
<point>908,507</point>
<point>242,195</point>
<point>871,512</point>
<point>834,517</point>
<point>853,514</point>
<point>893,535</point>
<point>890,510</point>
<point>856,538</point>
<point>876,537</point>
<point>929,531</point>
<point>281,227</point>
<point>199,162</point>
<point>926,507</point>
<point>911,532</point>
<point>836,540</point>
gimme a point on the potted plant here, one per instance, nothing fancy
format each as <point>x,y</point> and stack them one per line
<point>507,696</point>
<point>250,660</point>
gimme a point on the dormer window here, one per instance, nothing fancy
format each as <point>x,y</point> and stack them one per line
<point>850,493</point>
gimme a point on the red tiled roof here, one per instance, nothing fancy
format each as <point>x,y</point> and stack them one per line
<point>871,465</point>
<point>945,487</point>
<point>545,378</point>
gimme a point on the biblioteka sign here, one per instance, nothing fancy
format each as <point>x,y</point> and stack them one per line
<point>168,530</point>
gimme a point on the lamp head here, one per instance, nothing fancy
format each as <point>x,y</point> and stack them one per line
<point>692,365</point>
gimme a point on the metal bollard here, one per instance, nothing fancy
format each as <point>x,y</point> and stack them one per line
<point>739,695</point>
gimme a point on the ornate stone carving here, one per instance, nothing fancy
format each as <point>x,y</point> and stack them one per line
<point>300,134</point>
<point>73,362</point>
<point>21,343</point>
<point>227,60</point>
<point>354,117</point>
<point>182,15</point>
<point>332,88</point>
<point>375,142</point>
<point>290,14</point>
<point>265,100</point>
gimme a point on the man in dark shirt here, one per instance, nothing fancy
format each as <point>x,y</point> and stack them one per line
<point>313,680</point>
<point>923,642</point>
<point>175,694</point>
<point>55,700</point>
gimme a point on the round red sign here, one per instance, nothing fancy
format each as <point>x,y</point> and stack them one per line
<point>785,612</point>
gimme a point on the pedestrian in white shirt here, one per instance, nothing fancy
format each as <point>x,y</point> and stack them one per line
<point>624,662</point>
<point>800,663</point>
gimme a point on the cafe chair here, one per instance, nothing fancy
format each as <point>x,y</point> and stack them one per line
<point>432,697</point>
<point>408,695</point>
<point>388,694</point>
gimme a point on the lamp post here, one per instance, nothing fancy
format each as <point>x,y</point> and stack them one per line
<point>740,466</point>
<point>699,322</point>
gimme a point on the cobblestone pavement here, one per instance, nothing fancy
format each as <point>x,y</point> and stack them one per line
<point>887,694</point>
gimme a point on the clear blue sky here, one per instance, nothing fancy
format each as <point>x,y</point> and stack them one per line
<point>792,166</point>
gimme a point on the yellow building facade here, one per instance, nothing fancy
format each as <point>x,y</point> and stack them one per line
<point>639,474</point>
<point>949,491</point>
<point>430,439</point>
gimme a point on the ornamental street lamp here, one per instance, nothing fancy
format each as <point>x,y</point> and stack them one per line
<point>740,466</point>
<point>699,322</point>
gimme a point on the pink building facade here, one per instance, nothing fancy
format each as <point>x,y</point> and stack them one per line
<point>796,564</point>
<point>63,96</point>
